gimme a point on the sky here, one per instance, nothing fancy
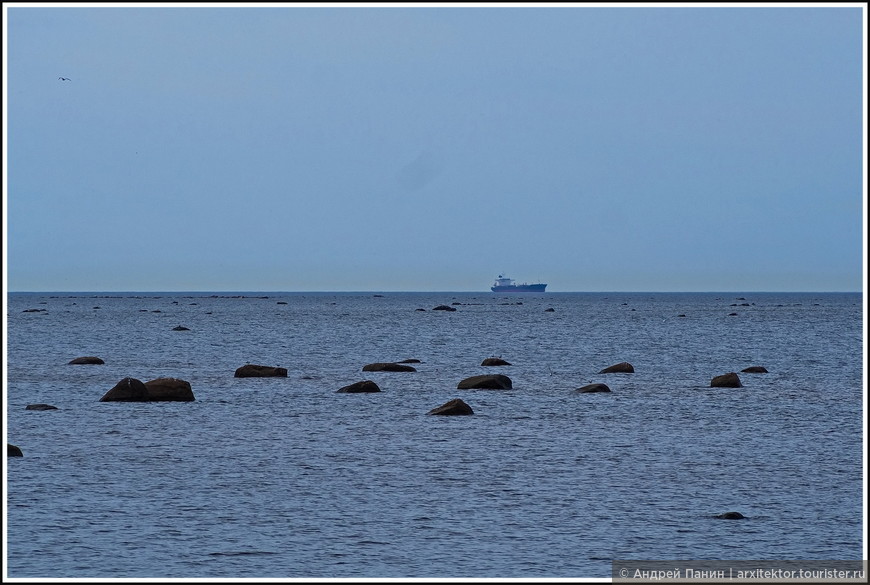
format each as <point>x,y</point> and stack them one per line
<point>320,147</point>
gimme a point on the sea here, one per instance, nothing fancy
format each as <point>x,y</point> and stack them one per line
<point>285,478</point>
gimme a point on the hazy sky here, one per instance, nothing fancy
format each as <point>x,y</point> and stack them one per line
<point>401,148</point>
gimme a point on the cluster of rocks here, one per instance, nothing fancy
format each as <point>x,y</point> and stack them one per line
<point>157,390</point>
<point>174,389</point>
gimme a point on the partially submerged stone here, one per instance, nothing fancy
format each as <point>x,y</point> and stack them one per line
<point>388,367</point>
<point>455,407</point>
<point>622,367</point>
<point>594,388</point>
<point>256,371</point>
<point>729,380</point>
<point>169,390</point>
<point>362,386</point>
<point>486,382</point>
<point>89,359</point>
<point>127,390</point>
<point>40,407</point>
<point>730,516</point>
<point>494,361</point>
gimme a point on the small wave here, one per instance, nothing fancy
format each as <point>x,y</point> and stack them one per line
<point>238,553</point>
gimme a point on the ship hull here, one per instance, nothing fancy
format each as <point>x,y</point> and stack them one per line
<point>519,288</point>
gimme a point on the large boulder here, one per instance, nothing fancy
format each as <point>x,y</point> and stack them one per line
<point>486,382</point>
<point>255,371</point>
<point>493,361</point>
<point>388,367</point>
<point>89,359</point>
<point>13,450</point>
<point>594,388</point>
<point>363,386</point>
<point>622,367</point>
<point>127,390</point>
<point>455,407</point>
<point>169,389</point>
<point>729,380</point>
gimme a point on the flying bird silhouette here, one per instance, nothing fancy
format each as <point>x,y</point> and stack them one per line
<point>64,78</point>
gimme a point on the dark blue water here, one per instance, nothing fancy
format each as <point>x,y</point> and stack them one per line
<point>285,478</point>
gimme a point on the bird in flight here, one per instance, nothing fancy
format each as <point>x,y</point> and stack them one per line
<point>64,78</point>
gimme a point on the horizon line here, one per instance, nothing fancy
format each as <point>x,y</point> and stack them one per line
<point>381,291</point>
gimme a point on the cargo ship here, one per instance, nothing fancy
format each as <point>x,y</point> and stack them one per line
<point>505,284</point>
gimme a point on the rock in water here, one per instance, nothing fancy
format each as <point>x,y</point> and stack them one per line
<point>255,371</point>
<point>363,386</point>
<point>169,389</point>
<point>594,388</point>
<point>40,407</point>
<point>127,390</point>
<point>487,382</point>
<point>729,380</point>
<point>455,407</point>
<point>388,367</point>
<point>622,367</point>
<point>86,360</point>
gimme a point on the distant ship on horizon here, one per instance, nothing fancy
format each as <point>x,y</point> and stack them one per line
<point>505,284</point>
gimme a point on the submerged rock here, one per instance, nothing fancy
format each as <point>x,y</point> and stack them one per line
<point>363,386</point>
<point>455,407</point>
<point>730,516</point>
<point>86,360</point>
<point>594,388</point>
<point>388,367</point>
<point>13,450</point>
<point>255,371</point>
<point>40,407</point>
<point>494,362</point>
<point>444,308</point>
<point>729,380</point>
<point>622,367</point>
<point>486,382</point>
<point>755,370</point>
